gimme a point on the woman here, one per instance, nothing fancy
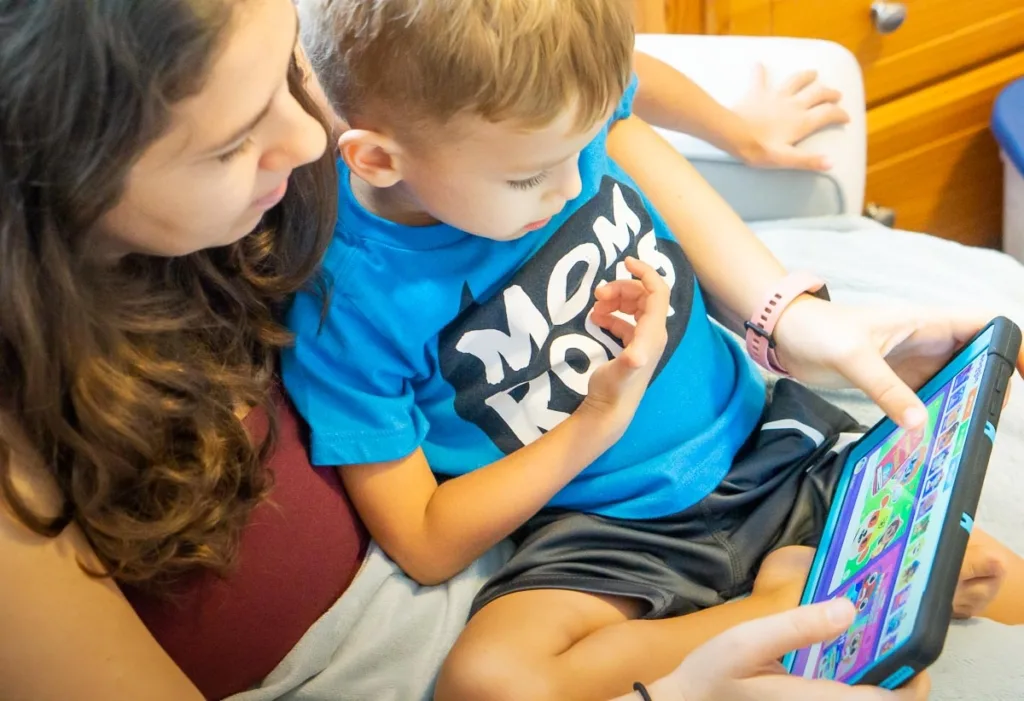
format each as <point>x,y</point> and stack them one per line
<point>164,189</point>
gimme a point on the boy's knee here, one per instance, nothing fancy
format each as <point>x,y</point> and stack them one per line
<point>492,673</point>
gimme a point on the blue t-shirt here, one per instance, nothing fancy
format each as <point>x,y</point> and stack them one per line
<point>471,348</point>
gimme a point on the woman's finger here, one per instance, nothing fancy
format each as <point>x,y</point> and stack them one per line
<point>744,649</point>
<point>868,371</point>
<point>798,81</point>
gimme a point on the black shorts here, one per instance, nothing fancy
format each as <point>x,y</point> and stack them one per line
<point>777,493</point>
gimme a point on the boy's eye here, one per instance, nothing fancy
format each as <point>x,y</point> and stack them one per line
<point>236,151</point>
<point>529,183</point>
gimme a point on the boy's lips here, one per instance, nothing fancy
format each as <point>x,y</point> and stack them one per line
<point>539,224</point>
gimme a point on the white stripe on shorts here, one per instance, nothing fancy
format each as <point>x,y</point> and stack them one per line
<point>794,425</point>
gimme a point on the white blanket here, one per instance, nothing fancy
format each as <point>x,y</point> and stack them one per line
<point>867,263</point>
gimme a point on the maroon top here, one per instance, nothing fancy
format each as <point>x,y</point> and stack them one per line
<point>298,554</point>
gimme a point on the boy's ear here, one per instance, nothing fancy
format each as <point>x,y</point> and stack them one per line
<point>371,156</point>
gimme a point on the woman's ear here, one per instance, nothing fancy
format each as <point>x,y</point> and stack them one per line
<point>371,156</point>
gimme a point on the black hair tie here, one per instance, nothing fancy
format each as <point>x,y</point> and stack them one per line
<point>642,690</point>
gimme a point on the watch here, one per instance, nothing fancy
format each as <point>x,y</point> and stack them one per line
<point>760,342</point>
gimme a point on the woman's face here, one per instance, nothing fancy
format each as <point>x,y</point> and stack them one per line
<point>227,156</point>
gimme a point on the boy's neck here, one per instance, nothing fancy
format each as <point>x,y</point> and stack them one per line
<point>394,204</point>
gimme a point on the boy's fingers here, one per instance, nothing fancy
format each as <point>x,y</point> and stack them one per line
<point>615,325</point>
<point>657,300</point>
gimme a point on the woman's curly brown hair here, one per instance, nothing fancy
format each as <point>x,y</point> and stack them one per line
<point>125,381</point>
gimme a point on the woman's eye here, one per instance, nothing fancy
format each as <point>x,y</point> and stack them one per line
<point>236,151</point>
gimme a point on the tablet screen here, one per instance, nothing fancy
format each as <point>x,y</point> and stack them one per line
<point>888,530</point>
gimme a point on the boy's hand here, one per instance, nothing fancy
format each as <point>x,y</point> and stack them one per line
<point>617,387</point>
<point>888,352</point>
<point>742,663</point>
<point>781,117</point>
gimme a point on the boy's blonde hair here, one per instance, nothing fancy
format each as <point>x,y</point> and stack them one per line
<point>504,60</point>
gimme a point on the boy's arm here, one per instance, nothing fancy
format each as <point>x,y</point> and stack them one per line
<point>762,131</point>
<point>435,531</point>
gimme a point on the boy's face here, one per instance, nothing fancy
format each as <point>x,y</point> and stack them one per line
<point>495,180</point>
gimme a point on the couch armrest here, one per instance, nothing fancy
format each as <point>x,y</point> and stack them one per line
<point>724,66</point>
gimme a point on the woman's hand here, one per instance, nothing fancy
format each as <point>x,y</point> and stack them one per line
<point>888,352</point>
<point>742,664</point>
<point>781,117</point>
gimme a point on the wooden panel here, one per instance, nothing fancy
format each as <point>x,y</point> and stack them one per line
<point>685,16</point>
<point>952,189</point>
<point>938,39</point>
<point>650,16</point>
<point>671,16</point>
<point>932,158</point>
<point>744,17</point>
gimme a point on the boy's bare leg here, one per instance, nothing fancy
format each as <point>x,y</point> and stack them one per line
<point>554,645</point>
<point>991,582</point>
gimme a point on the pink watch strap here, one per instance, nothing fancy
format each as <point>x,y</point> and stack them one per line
<point>760,344</point>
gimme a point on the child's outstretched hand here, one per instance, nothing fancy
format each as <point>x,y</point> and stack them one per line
<point>617,387</point>
<point>781,117</point>
<point>888,352</point>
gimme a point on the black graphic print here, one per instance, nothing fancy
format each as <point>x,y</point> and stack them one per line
<point>520,361</point>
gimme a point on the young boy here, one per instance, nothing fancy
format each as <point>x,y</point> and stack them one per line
<point>481,214</point>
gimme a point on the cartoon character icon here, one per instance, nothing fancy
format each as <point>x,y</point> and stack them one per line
<point>873,525</point>
<point>950,478</point>
<point>952,415</point>
<point>908,573</point>
<point>888,645</point>
<point>852,648</point>
<point>972,397</point>
<point>895,621</point>
<point>887,537</point>
<point>956,398</point>
<point>900,599</point>
<point>867,591</point>
<point>926,503</point>
<point>883,473</point>
<point>828,663</point>
<point>946,437</point>
<point>915,548</point>
<point>921,527</point>
<point>962,378</point>
<point>909,470</point>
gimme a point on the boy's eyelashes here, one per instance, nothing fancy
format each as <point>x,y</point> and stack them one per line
<point>529,183</point>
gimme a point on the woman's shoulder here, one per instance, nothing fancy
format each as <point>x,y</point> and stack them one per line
<point>57,616</point>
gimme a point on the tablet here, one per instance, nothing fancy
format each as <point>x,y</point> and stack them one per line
<point>897,531</point>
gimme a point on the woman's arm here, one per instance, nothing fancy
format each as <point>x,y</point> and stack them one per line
<point>732,264</point>
<point>742,663</point>
<point>67,636</point>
